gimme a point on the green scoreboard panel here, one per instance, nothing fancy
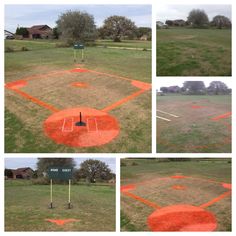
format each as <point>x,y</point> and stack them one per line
<point>60,173</point>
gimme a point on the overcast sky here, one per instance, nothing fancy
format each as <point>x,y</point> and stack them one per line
<point>14,163</point>
<point>166,82</point>
<point>28,15</point>
<point>173,12</point>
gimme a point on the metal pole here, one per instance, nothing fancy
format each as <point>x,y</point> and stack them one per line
<point>74,55</point>
<point>69,205</point>
<point>82,55</point>
<point>51,194</point>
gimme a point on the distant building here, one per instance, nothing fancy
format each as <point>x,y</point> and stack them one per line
<point>144,37</point>
<point>40,32</point>
<point>22,173</point>
<point>8,35</point>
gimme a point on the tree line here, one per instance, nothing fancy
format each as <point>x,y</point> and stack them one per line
<point>198,88</point>
<point>198,19</point>
<point>78,26</point>
<point>90,170</point>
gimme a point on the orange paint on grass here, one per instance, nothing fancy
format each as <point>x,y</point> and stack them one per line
<point>79,84</point>
<point>196,107</point>
<point>182,218</point>
<point>223,116</point>
<point>178,177</point>
<point>214,200</point>
<point>228,186</point>
<point>36,100</point>
<point>61,222</point>
<point>140,199</point>
<point>110,75</point>
<point>101,128</point>
<point>126,188</point>
<point>16,84</point>
<point>179,187</point>
<point>141,85</point>
<point>79,70</point>
<point>122,101</point>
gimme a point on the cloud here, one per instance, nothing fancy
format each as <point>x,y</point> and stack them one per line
<point>172,12</point>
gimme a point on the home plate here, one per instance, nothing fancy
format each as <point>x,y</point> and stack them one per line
<point>97,127</point>
<point>61,222</point>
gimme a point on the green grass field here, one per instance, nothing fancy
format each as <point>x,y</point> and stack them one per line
<point>134,214</point>
<point>27,207</point>
<point>193,52</point>
<point>23,119</point>
<point>193,130</point>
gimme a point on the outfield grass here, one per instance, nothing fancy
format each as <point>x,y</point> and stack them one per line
<point>134,214</point>
<point>27,207</point>
<point>194,130</point>
<point>193,52</point>
<point>43,57</point>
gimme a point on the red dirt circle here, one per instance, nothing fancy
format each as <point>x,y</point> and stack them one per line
<point>182,218</point>
<point>100,128</point>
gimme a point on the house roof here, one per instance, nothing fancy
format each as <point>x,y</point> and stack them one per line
<point>38,29</point>
<point>20,170</point>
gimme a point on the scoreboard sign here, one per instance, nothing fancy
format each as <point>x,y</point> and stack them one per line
<point>78,46</point>
<point>61,173</point>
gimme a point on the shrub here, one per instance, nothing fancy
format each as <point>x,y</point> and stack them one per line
<point>9,49</point>
<point>40,181</point>
<point>62,45</point>
<point>122,163</point>
<point>134,163</point>
<point>24,49</point>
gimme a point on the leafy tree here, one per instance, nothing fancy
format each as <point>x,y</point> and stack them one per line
<point>76,26</point>
<point>117,27</point>
<point>44,163</point>
<point>140,31</point>
<point>221,22</point>
<point>55,33</point>
<point>169,22</point>
<point>218,87</point>
<point>198,18</point>
<point>194,87</point>
<point>93,170</point>
<point>8,173</point>
<point>22,31</point>
<point>164,89</point>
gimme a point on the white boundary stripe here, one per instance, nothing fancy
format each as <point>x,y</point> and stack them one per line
<point>72,125</point>
<point>168,113</point>
<point>96,125</point>
<point>162,118</point>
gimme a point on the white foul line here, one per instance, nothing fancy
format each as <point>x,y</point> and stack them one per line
<point>162,118</point>
<point>167,113</point>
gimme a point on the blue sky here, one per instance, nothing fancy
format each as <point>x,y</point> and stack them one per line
<point>14,163</point>
<point>28,15</point>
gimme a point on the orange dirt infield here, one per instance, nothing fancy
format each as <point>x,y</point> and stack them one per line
<point>178,177</point>
<point>228,186</point>
<point>61,222</point>
<point>16,84</point>
<point>196,107</point>
<point>100,127</point>
<point>182,218</point>
<point>126,188</point>
<point>179,187</point>
<point>223,116</point>
<point>79,70</point>
<point>80,85</point>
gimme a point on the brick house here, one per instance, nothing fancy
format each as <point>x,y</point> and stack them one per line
<point>22,173</point>
<point>40,32</point>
